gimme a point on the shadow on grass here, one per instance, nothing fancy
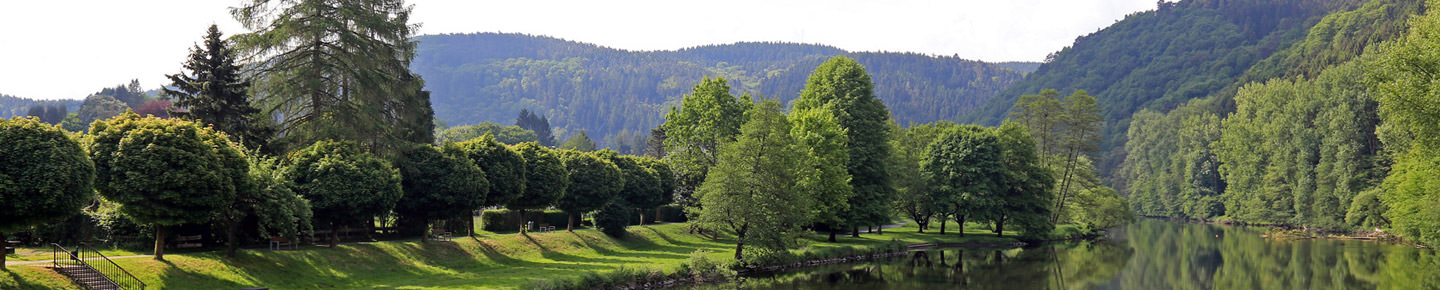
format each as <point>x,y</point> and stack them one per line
<point>21,282</point>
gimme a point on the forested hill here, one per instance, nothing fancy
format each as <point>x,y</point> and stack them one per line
<point>1159,59</point>
<point>11,106</point>
<point>610,92</point>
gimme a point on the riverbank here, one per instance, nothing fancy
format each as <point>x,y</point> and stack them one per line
<point>1284,231</point>
<point>492,262</point>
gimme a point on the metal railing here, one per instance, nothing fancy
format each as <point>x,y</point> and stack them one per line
<point>87,264</point>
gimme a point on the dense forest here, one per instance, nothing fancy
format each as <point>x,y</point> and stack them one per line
<point>11,106</point>
<point>617,95</point>
<point>1185,50</point>
<point>1332,132</point>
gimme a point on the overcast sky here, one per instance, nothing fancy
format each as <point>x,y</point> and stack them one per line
<point>52,49</point>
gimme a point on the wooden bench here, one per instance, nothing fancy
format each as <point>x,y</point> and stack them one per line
<point>186,242</point>
<point>440,234</point>
<point>10,246</point>
<point>281,243</point>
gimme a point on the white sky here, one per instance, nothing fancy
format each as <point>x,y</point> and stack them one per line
<point>51,49</point>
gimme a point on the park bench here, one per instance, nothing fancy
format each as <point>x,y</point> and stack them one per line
<point>186,242</point>
<point>281,243</point>
<point>440,234</point>
<point>10,246</point>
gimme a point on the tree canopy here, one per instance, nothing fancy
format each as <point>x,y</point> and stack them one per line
<point>438,183</point>
<point>47,175</point>
<point>842,86</point>
<point>594,182</point>
<point>345,185</point>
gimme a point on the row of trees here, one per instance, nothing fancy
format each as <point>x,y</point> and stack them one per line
<point>837,162</point>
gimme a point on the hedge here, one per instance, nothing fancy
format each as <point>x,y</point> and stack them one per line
<point>502,220</point>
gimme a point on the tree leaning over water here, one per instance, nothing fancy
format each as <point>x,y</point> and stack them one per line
<point>336,69</point>
<point>46,176</point>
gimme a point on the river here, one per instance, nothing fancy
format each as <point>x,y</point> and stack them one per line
<point>1149,254</point>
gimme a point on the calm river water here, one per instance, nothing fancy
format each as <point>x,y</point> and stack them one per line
<point>1150,254</point>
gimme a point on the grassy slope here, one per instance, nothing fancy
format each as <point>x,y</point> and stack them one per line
<point>501,261</point>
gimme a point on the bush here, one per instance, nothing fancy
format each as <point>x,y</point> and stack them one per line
<point>503,220</point>
<point>702,267</point>
<point>613,218</point>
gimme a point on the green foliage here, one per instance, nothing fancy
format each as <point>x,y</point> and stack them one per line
<point>11,106</point>
<point>842,86</point>
<point>1162,58</point>
<point>1367,211</point>
<point>753,189</point>
<point>965,165</point>
<point>1026,186</point>
<point>664,175</point>
<point>438,183</point>
<point>579,142</point>
<point>593,183</point>
<point>212,92</point>
<point>280,212</point>
<point>337,75</point>
<point>1101,208</point>
<point>491,76</point>
<point>165,171</point>
<point>505,134</point>
<point>641,185</point>
<point>504,168</point>
<point>613,218</point>
<point>345,185</point>
<point>1298,152</point>
<point>707,117</point>
<point>1404,85</point>
<point>47,175</point>
<point>819,136</point>
<point>538,124</point>
<point>914,191</point>
<point>99,107</point>
<point>545,177</point>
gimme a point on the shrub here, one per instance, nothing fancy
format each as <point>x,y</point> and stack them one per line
<point>702,267</point>
<point>613,218</point>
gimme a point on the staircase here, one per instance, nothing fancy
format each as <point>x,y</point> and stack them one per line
<point>88,268</point>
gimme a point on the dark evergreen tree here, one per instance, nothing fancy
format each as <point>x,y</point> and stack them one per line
<point>213,92</point>
<point>530,121</point>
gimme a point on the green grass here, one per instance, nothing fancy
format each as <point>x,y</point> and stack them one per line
<point>495,261</point>
<point>45,253</point>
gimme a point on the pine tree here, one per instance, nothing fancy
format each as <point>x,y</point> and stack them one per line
<point>214,93</point>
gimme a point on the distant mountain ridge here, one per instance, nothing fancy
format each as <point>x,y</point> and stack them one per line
<point>613,93</point>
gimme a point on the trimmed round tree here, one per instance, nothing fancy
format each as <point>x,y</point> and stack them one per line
<point>47,176</point>
<point>345,185</point>
<point>545,179</point>
<point>641,189</point>
<point>504,169</point>
<point>438,185</point>
<point>665,176</point>
<point>165,171</point>
<point>593,183</point>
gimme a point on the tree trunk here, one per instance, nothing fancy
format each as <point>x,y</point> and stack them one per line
<point>1000,227</point>
<point>2,255</point>
<point>642,217</point>
<point>470,224</point>
<point>334,235</point>
<point>425,231</point>
<point>657,214</point>
<point>159,242</point>
<point>231,245</point>
<point>942,225</point>
<point>523,221</point>
<point>740,243</point>
<point>855,232</point>
<point>960,223</point>
<point>832,235</point>
<point>571,227</point>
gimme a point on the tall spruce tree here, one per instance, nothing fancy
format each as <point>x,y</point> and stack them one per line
<point>539,124</point>
<point>213,92</point>
<point>842,81</point>
<point>334,69</point>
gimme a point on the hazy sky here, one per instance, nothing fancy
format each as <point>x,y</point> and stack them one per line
<point>70,48</point>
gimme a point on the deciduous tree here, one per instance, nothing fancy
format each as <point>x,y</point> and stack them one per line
<point>752,190</point>
<point>438,184</point>
<point>545,179</point>
<point>843,84</point>
<point>345,185</point>
<point>47,175</point>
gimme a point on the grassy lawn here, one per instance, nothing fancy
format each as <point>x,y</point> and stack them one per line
<point>494,261</point>
<point>45,253</point>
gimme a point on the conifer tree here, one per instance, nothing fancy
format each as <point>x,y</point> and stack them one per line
<point>212,91</point>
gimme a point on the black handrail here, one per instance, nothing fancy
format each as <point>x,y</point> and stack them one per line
<point>107,269</point>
